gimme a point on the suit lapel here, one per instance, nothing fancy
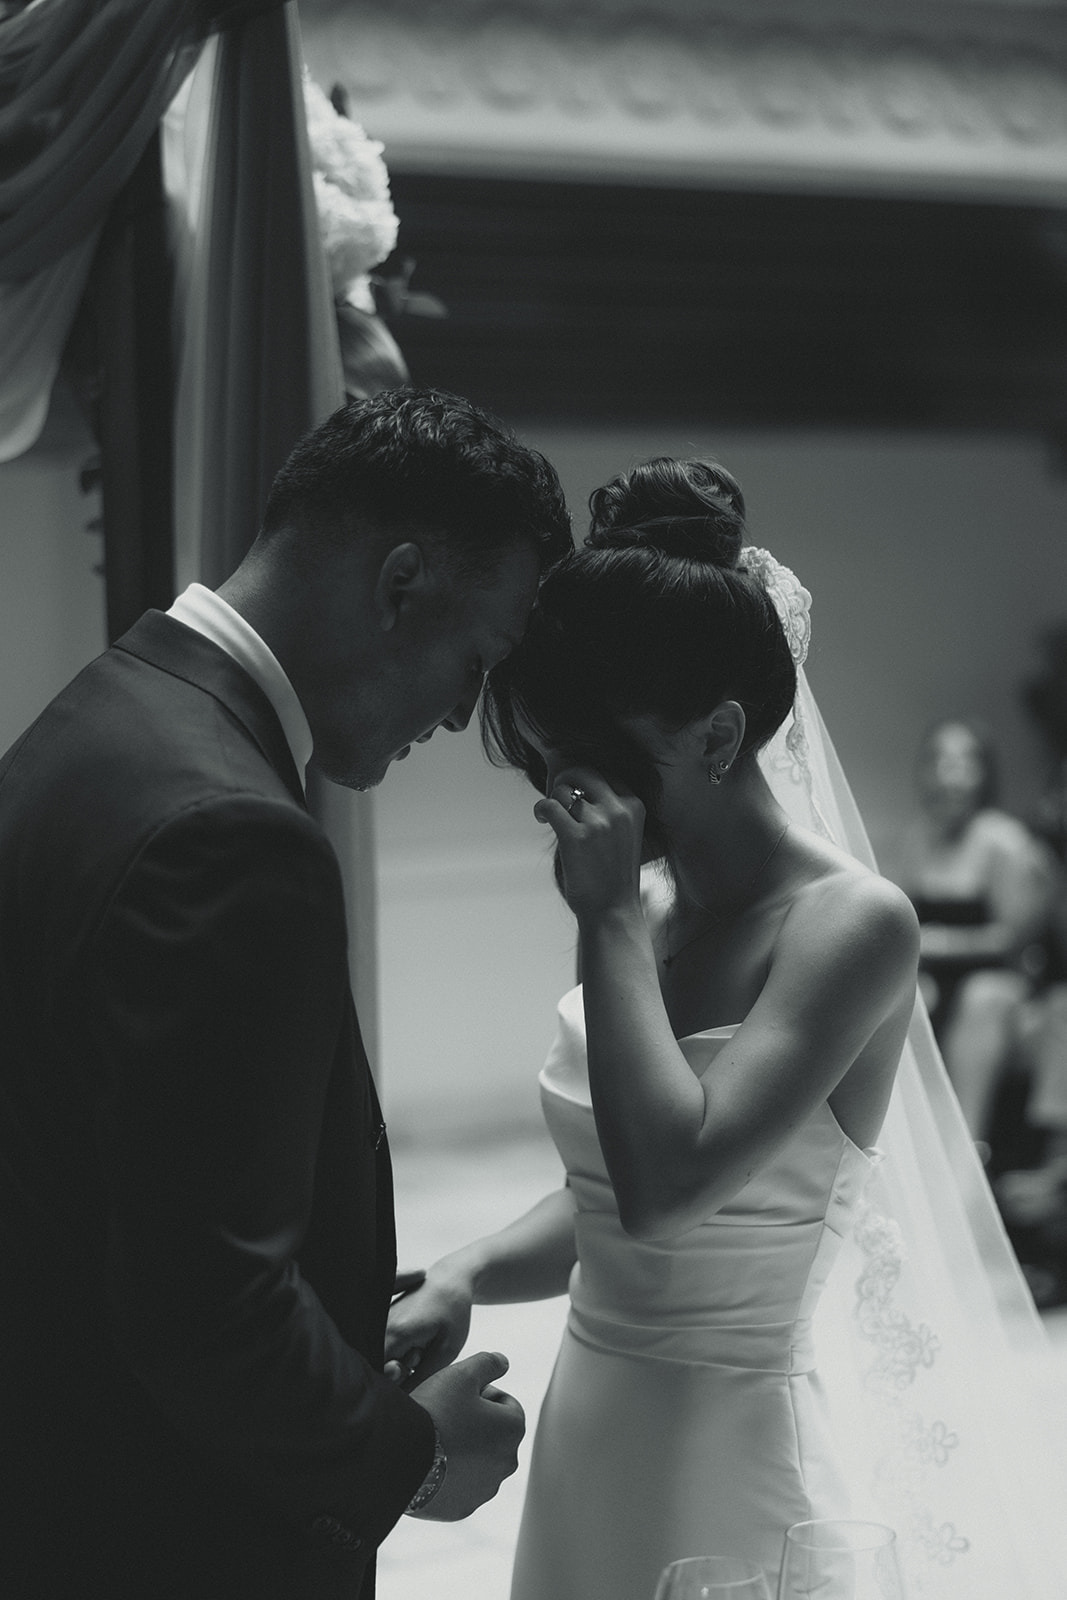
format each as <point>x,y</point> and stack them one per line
<point>163,642</point>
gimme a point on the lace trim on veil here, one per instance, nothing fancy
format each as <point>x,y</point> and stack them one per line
<point>902,1349</point>
<point>793,761</point>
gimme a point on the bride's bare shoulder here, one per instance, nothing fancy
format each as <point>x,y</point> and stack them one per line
<point>842,896</point>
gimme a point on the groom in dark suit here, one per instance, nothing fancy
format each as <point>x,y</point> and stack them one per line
<point>196,1222</point>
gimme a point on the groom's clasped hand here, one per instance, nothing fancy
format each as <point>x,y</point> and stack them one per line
<point>480,1427</point>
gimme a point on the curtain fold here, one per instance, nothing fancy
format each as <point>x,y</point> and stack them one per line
<point>127,309</point>
<point>83,84</point>
<point>259,362</point>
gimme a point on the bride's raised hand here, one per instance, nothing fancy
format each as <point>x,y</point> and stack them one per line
<point>599,827</point>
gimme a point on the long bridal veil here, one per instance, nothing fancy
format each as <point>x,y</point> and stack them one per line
<point>928,1341</point>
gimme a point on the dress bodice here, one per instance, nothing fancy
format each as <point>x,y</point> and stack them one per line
<point>741,1287</point>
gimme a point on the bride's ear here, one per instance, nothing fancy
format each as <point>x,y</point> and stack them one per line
<point>721,734</point>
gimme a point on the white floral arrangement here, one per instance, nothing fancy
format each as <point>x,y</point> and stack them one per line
<point>356,217</point>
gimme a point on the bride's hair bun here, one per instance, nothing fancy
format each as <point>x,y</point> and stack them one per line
<point>692,509</point>
<point>653,616</point>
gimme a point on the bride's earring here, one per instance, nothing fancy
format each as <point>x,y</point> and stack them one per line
<point>716,777</point>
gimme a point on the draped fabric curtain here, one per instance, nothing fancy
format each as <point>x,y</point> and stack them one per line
<point>83,85</point>
<point>258,357</point>
<point>120,362</point>
<point>259,360</point>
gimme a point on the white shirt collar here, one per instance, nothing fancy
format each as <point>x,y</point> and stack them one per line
<point>209,614</point>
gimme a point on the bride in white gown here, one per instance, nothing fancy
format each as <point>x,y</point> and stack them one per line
<point>717,1091</point>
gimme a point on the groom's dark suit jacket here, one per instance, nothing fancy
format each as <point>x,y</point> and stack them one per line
<point>196,1222</point>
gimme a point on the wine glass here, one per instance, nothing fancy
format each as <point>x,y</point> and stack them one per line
<point>840,1561</point>
<point>712,1578</point>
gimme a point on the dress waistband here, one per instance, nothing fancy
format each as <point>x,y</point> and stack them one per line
<point>760,1347</point>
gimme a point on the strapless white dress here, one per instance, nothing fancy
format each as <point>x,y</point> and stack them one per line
<point>684,1415</point>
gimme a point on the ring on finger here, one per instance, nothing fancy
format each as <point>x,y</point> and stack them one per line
<point>576,795</point>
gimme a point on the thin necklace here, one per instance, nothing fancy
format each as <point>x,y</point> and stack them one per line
<point>671,957</point>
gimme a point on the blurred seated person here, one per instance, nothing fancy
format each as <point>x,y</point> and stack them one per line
<point>1033,1198</point>
<point>982,885</point>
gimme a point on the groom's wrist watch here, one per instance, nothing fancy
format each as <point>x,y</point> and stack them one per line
<point>433,1479</point>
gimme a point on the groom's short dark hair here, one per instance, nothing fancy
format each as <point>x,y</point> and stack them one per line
<point>422,460</point>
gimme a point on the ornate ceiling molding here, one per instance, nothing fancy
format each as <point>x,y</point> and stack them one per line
<point>963,100</point>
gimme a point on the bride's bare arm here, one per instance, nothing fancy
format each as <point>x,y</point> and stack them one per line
<point>530,1259</point>
<point>678,1146</point>
<point>841,983</point>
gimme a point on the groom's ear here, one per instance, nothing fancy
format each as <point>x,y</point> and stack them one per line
<point>721,732</point>
<point>402,583</point>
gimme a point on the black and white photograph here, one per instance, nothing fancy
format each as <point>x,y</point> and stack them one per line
<point>533,800</point>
